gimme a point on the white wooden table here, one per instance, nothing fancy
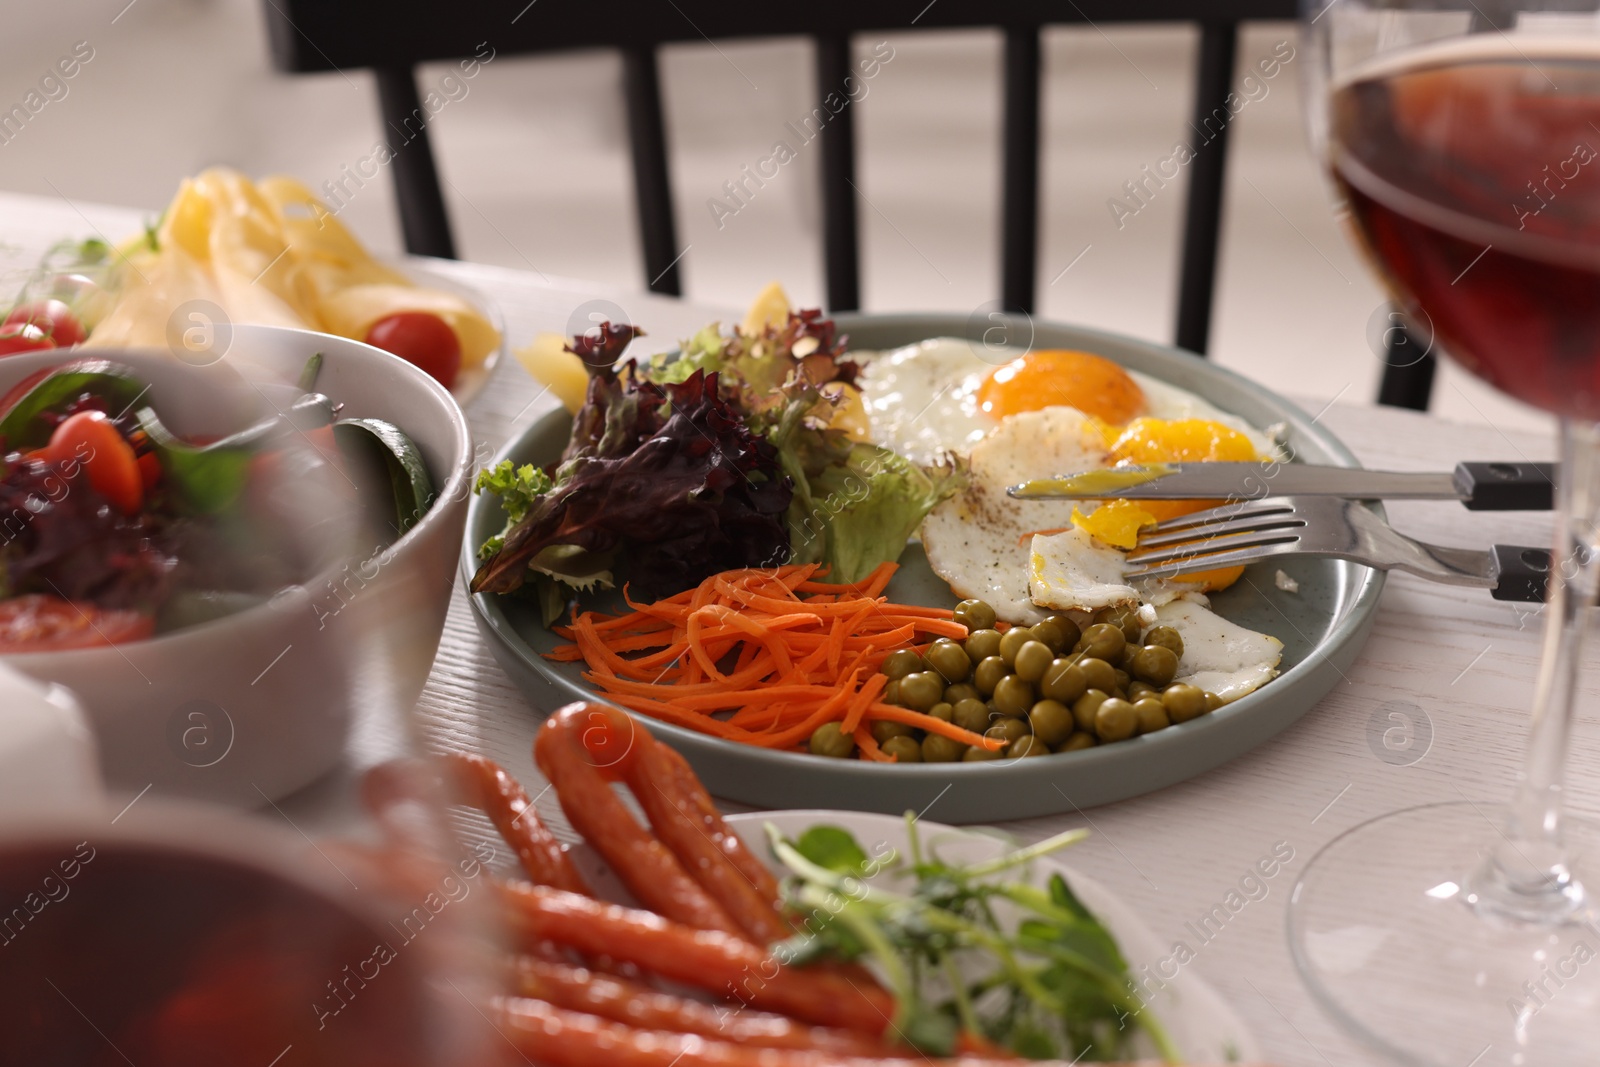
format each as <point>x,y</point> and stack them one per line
<point>1458,659</point>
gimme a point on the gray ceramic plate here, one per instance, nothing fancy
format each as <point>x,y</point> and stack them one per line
<point>1322,627</point>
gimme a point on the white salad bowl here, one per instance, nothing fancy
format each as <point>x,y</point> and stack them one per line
<point>255,705</point>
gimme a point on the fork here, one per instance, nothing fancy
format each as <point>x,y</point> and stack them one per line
<point>1250,530</point>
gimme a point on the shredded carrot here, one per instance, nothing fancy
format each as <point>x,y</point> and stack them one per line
<point>763,656</point>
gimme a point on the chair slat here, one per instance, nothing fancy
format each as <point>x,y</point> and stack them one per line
<point>423,221</point>
<point>1019,206</point>
<point>652,185</point>
<point>1203,217</point>
<point>841,242</point>
<point>1407,378</point>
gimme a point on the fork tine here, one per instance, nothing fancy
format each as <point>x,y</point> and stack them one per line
<point>1232,509</point>
<point>1282,520</point>
<point>1203,550</point>
<point>1210,562</point>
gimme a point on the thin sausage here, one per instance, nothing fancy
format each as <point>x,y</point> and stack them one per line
<point>636,1004</point>
<point>556,1037</point>
<point>688,823</point>
<point>490,789</point>
<point>721,963</point>
<point>571,751</point>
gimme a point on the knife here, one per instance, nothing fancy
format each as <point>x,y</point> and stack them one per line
<point>1479,486</point>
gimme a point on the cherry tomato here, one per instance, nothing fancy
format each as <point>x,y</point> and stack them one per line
<point>421,338</point>
<point>38,623</point>
<point>53,318</point>
<point>23,337</point>
<point>92,439</point>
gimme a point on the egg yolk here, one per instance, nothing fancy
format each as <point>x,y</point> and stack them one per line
<point>1118,522</point>
<point>1061,378</point>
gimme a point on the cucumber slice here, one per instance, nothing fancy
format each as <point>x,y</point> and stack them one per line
<point>373,447</point>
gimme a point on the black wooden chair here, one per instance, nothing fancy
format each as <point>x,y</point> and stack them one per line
<point>392,36</point>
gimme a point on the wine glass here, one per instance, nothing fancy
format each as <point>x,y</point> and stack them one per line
<point>1463,138</point>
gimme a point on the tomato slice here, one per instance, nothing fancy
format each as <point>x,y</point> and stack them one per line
<point>91,438</point>
<point>39,623</point>
<point>422,338</point>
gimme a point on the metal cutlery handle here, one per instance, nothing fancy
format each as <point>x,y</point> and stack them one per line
<point>1392,550</point>
<point>1506,486</point>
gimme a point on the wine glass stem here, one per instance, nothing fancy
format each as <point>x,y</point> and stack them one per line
<point>1529,875</point>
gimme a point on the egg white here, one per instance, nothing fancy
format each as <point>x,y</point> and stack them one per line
<point>978,539</point>
<point>1219,656</point>
<point>922,399</point>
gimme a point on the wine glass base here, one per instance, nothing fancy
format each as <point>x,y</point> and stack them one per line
<point>1385,932</point>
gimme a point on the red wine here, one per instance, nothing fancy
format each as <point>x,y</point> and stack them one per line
<point>114,953</point>
<point>1473,175</point>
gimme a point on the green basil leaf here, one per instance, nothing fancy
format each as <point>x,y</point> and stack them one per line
<point>832,848</point>
<point>21,428</point>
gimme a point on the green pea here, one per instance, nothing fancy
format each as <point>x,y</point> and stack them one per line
<point>949,660</point>
<point>1115,720</point>
<point>1048,636</point>
<point>1013,696</point>
<point>901,663</point>
<point>1155,664</point>
<point>883,729</point>
<point>941,710</point>
<point>1127,617</point>
<point>1098,673</point>
<point>971,715</point>
<point>829,740</point>
<point>987,674</point>
<point>891,692</point>
<point>937,748</point>
<point>903,749</point>
<point>1137,690</point>
<point>1213,702</point>
<point>1152,714</point>
<point>1077,742</point>
<point>1058,632</point>
<point>974,615</point>
<point>1104,641</point>
<point>1123,617</point>
<point>954,694</point>
<point>1166,637</point>
<point>1008,729</point>
<point>1027,746</point>
<point>1183,702</point>
<point>922,690</point>
<point>1063,680</point>
<point>1085,707</point>
<point>1124,679</point>
<point>981,644</point>
<point>1011,642</point>
<point>1124,659</point>
<point>1051,721</point>
<point>978,752</point>
<point>1032,659</point>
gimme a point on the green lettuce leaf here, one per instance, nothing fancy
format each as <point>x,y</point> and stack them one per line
<point>518,488</point>
<point>870,505</point>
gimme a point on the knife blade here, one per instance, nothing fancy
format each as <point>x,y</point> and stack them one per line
<point>1478,486</point>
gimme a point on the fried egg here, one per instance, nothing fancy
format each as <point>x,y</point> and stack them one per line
<point>1027,559</point>
<point>978,540</point>
<point>1219,656</point>
<point>940,396</point>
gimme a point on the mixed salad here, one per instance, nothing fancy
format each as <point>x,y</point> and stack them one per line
<point>742,450</point>
<point>114,529</point>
